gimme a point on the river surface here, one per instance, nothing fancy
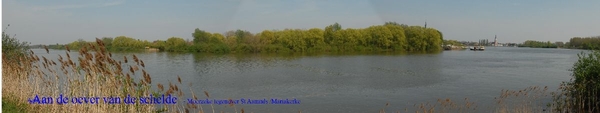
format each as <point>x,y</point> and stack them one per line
<point>356,82</point>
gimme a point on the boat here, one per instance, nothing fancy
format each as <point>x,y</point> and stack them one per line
<point>477,48</point>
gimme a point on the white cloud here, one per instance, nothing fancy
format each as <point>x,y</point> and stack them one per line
<point>114,3</point>
<point>76,6</point>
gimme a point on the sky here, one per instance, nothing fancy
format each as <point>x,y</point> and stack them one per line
<point>65,21</point>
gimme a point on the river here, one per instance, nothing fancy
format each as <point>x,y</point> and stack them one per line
<point>356,82</point>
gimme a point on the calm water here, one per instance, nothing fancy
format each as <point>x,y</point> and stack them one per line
<point>358,83</point>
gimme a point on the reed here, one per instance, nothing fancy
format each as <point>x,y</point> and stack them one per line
<point>441,106</point>
<point>581,93</point>
<point>94,73</point>
<point>528,100</point>
<point>577,97</point>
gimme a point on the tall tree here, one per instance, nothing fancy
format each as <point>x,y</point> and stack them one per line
<point>330,32</point>
<point>201,36</point>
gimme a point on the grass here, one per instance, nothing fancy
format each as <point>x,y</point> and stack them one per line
<point>95,74</point>
<point>11,106</point>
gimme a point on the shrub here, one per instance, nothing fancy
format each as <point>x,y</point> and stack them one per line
<point>582,93</point>
<point>12,48</point>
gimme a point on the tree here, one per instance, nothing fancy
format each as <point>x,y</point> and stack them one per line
<point>584,42</point>
<point>217,38</point>
<point>398,36</point>
<point>559,44</point>
<point>107,42</point>
<point>538,44</point>
<point>267,37</point>
<point>176,44</point>
<point>416,38</point>
<point>330,30</point>
<point>391,23</point>
<point>315,39</point>
<point>243,36</point>
<point>201,36</point>
<point>434,40</point>
<point>382,36</point>
<point>12,48</point>
<point>123,43</point>
<point>390,36</point>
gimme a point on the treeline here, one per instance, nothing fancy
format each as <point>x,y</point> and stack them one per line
<point>120,43</point>
<point>538,44</point>
<point>452,43</point>
<point>584,43</point>
<point>390,36</point>
<point>574,43</point>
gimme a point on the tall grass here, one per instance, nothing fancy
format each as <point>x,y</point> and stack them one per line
<point>533,99</point>
<point>95,73</point>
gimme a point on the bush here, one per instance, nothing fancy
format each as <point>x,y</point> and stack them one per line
<point>582,93</point>
<point>12,48</point>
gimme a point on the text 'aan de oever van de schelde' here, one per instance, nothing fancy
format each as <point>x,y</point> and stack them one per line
<point>158,99</point>
<point>244,101</point>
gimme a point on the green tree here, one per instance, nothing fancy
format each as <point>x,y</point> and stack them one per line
<point>267,37</point>
<point>217,38</point>
<point>416,38</point>
<point>12,48</point>
<point>201,36</point>
<point>390,36</point>
<point>315,39</point>
<point>176,44</point>
<point>160,44</point>
<point>434,40</point>
<point>382,36</point>
<point>107,42</point>
<point>584,42</point>
<point>330,32</point>
<point>123,43</point>
<point>398,36</point>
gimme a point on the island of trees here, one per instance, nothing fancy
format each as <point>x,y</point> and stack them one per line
<point>390,36</point>
<point>574,43</point>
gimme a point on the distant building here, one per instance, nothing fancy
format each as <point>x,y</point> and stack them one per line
<point>495,40</point>
<point>483,42</point>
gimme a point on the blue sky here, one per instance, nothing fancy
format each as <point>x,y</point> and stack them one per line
<point>64,21</point>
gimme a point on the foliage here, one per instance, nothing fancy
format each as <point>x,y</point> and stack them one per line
<point>123,43</point>
<point>582,93</point>
<point>390,36</point>
<point>176,44</point>
<point>538,44</point>
<point>452,43</point>
<point>584,43</point>
<point>12,48</point>
<point>11,106</point>
<point>93,74</point>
